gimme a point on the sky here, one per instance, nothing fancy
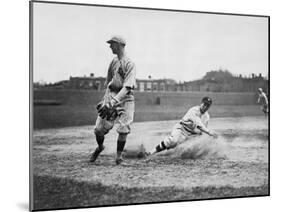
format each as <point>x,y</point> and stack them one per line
<point>70,40</point>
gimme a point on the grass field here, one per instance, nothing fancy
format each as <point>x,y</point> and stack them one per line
<point>77,107</point>
<point>67,115</point>
<point>234,165</point>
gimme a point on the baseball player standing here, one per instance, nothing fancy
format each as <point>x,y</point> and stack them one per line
<point>119,98</point>
<point>263,100</point>
<point>194,122</point>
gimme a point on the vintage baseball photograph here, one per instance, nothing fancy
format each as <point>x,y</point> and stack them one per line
<point>146,105</point>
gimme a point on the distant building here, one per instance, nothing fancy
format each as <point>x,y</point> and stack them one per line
<point>229,84</point>
<point>142,85</point>
<point>213,81</point>
<point>94,83</point>
<point>157,85</point>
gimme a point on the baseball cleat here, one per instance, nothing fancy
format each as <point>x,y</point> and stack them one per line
<point>96,153</point>
<point>120,160</point>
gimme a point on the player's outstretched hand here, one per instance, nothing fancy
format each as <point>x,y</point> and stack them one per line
<point>214,135</point>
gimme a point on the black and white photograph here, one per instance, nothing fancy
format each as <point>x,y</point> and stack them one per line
<point>135,105</point>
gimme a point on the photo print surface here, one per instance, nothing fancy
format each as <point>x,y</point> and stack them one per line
<point>141,105</point>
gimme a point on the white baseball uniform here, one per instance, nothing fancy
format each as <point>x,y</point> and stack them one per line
<point>189,125</point>
<point>264,102</point>
<point>121,73</point>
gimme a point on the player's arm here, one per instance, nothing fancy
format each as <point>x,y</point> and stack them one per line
<point>108,79</point>
<point>207,131</point>
<point>259,98</point>
<point>107,108</point>
<point>204,129</point>
<point>128,85</point>
<point>120,95</point>
<point>109,74</point>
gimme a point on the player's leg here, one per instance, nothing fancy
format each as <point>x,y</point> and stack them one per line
<point>176,136</point>
<point>159,148</point>
<point>102,127</point>
<point>123,129</point>
<point>265,109</point>
<point>121,141</point>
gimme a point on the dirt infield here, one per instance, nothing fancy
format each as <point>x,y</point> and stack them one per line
<point>235,164</point>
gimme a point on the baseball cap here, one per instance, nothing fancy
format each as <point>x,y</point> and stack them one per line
<point>117,39</point>
<point>260,89</point>
<point>207,100</point>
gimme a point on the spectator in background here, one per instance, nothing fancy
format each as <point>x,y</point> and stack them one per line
<point>263,101</point>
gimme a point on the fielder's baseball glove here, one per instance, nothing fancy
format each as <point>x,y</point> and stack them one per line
<point>107,111</point>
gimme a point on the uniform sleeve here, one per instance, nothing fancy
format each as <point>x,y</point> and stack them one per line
<point>193,120</point>
<point>197,120</point>
<point>109,74</point>
<point>205,119</point>
<point>130,76</point>
<point>200,124</point>
<point>259,98</point>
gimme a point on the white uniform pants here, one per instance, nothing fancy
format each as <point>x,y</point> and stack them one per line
<point>177,136</point>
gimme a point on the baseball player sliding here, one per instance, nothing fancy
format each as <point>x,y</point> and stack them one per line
<point>118,104</point>
<point>194,122</point>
